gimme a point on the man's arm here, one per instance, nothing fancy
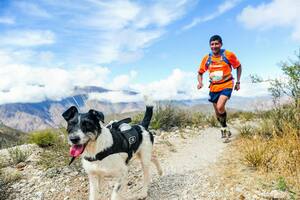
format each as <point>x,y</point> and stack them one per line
<point>238,77</point>
<point>200,78</point>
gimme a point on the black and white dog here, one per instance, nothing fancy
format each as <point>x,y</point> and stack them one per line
<point>106,150</point>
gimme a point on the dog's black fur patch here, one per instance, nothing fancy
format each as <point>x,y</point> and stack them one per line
<point>86,122</point>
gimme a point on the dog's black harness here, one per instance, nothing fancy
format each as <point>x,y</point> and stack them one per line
<point>126,141</point>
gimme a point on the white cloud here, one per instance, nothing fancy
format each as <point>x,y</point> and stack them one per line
<point>7,20</point>
<point>115,97</point>
<point>249,89</point>
<point>122,81</point>
<point>22,83</point>
<point>224,7</point>
<point>277,13</point>
<point>179,85</point>
<point>27,38</point>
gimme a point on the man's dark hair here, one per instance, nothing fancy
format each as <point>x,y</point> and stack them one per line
<point>214,38</point>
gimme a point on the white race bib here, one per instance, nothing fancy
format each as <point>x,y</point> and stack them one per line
<point>216,75</point>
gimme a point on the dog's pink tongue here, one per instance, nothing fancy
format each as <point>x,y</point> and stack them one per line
<point>76,150</point>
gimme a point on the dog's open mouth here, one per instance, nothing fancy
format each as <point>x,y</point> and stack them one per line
<point>77,149</point>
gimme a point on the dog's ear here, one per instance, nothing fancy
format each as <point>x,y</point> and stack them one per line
<point>98,115</point>
<point>70,113</point>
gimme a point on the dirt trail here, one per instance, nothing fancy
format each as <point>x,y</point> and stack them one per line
<point>186,162</point>
<point>186,171</point>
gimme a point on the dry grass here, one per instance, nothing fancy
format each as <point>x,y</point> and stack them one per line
<point>242,115</point>
<point>18,155</point>
<point>240,180</point>
<point>166,117</point>
<point>9,176</point>
<point>212,121</point>
<point>273,148</point>
<point>246,130</point>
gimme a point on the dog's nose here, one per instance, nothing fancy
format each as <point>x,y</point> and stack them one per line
<point>74,139</point>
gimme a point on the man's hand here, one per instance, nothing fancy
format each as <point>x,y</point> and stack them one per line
<point>237,86</point>
<point>200,85</point>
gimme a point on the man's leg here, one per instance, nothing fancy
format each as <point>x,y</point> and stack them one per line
<point>216,111</point>
<point>223,134</point>
<point>220,108</point>
<point>223,117</point>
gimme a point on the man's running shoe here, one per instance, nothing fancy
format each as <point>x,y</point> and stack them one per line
<point>223,132</point>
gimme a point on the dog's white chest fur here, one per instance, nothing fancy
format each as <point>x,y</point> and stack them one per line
<point>110,165</point>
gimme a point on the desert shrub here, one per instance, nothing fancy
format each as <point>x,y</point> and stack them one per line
<point>257,152</point>
<point>247,131</point>
<point>8,176</point>
<point>44,138</point>
<point>275,147</point>
<point>242,115</point>
<point>212,121</point>
<point>137,118</point>
<point>167,116</point>
<point>198,119</point>
<point>273,121</point>
<point>18,155</point>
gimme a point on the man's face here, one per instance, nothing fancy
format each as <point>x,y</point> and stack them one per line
<point>215,46</point>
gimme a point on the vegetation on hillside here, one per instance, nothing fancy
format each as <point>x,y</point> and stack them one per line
<point>168,116</point>
<point>274,145</point>
<point>10,137</point>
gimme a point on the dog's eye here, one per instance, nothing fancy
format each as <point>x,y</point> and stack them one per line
<point>87,126</point>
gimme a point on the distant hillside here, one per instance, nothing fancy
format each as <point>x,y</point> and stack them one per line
<point>9,136</point>
<point>47,114</point>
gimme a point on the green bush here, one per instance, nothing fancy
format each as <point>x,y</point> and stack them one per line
<point>168,116</point>
<point>44,138</point>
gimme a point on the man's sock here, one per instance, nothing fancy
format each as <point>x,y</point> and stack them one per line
<point>222,119</point>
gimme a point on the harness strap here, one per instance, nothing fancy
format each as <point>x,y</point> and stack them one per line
<point>123,142</point>
<point>223,57</point>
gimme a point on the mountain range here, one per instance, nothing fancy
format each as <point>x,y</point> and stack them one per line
<point>33,116</point>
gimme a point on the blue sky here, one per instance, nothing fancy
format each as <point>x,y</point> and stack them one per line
<point>153,47</point>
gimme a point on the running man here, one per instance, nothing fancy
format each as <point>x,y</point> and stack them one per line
<point>219,63</point>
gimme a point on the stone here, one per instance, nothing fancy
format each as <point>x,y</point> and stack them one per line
<point>20,166</point>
